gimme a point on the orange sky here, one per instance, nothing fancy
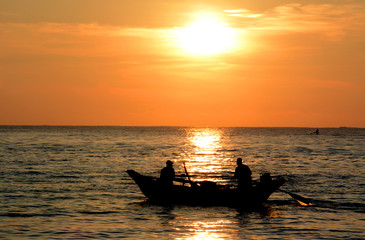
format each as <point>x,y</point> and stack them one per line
<point>117,62</point>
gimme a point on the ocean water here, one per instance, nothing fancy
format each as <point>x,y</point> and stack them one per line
<point>70,182</point>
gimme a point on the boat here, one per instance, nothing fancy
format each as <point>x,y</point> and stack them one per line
<point>187,192</point>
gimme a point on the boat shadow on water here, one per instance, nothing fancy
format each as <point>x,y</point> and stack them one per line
<point>172,214</point>
<point>266,207</point>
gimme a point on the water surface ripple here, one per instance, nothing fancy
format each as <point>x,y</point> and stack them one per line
<point>70,182</point>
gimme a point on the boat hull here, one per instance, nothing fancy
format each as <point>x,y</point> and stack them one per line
<point>204,193</point>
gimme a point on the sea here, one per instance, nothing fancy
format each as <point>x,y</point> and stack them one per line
<point>70,182</point>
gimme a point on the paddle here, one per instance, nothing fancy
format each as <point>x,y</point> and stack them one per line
<point>187,174</point>
<point>301,200</point>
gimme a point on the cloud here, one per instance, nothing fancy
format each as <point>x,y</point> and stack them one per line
<point>96,29</point>
<point>79,39</point>
<point>333,21</point>
<point>7,14</point>
<point>242,13</point>
<point>84,29</point>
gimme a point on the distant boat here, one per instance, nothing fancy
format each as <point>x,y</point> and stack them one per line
<point>206,192</point>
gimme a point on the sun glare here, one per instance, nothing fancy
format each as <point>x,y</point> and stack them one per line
<point>207,36</point>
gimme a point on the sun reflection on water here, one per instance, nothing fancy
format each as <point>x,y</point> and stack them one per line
<point>206,141</point>
<point>205,159</point>
<point>208,230</point>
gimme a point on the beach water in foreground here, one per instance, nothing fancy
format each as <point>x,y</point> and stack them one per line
<point>71,182</point>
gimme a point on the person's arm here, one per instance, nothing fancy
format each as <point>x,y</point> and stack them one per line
<point>236,173</point>
<point>249,170</point>
<point>162,174</point>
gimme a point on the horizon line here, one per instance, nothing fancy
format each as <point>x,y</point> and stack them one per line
<point>75,125</point>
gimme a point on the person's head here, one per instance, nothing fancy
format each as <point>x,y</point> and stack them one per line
<point>239,161</point>
<point>169,163</point>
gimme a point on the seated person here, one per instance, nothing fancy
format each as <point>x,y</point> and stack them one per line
<point>167,174</point>
<point>243,175</point>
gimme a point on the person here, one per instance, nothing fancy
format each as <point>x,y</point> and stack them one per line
<point>167,174</point>
<point>316,132</point>
<point>243,175</point>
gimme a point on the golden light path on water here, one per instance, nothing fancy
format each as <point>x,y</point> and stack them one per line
<point>208,230</point>
<point>205,160</point>
<point>217,229</point>
<point>206,142</point>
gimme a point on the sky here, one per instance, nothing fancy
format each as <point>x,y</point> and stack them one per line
<point>227,63</point>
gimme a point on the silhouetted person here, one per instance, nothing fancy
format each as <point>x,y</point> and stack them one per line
<point>167,174</point>
<point>316,132</point>
<point>243,175</point>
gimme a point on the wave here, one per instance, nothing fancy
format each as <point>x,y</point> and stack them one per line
<point>97,212</point>
<point>356,207</point>
<point>227,150</point>
<point>29,215</point>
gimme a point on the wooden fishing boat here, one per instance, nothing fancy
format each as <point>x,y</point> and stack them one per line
<point>206,192</point>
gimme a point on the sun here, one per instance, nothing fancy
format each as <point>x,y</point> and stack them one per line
<point>207,36</point>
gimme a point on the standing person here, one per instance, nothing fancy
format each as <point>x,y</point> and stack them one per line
<point>243,175</point>
<point>167,174</point>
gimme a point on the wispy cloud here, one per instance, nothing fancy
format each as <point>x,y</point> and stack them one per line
<point>94,29</point>
<point>331,20</point>
<point>242,13</point>
<point>7,14</point>
<point>50,35</point>
<point>86,29</point>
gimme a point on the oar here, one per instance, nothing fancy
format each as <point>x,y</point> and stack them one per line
<point>187,174</point>
<point>302,200</point>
